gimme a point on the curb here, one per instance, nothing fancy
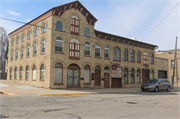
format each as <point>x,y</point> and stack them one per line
<point>70,94</point>
<point>7,93</point>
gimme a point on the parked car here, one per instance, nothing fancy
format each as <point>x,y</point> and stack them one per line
<point>156,85</point>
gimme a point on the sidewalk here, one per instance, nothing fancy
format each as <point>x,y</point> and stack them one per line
<point>16,89</point>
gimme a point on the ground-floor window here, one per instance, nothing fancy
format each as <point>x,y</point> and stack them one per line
<point>58,69</point>
<point>152,74</point>
<point>34,72</point>
<point>132,75</point>
<point>11,73</point>
<point>73,75</point>
<point>125,75</point>
<point>15,73</point>
<point>138,76</point>
<point>21,71</point>
<point>42,72</point>
<point>27,72</point>
<point>87,74</point>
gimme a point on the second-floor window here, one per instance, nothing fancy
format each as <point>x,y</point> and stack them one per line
<point>28,50</point>
<point>87,48</point>
<point>138,57</point>
<point>36,31</point>
<point>75,25</point>
<point>35,48</point>
<point>145,59</point>
<point>125,55</point>
<point>87,32</point>
<point>12,55</point>
<point>59,26</point>
<point>12,42</point>
<point>59,44</point>
<point>44,28</point>
<point>97,50</point>
<point>17,39</point>
<point>172,63</point>
<point>16,53</point>
<point>29,34</point>
<point>106,52</point>
<point>152,59</point>
<point>116,54</point>
<point>22,38</point>
<point>43,46</point>
<point>22,51</point>
<point>132,55</point>
<point>74,49</point>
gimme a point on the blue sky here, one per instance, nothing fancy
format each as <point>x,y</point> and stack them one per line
<point>128,18</point>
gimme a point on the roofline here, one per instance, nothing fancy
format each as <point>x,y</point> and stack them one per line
<point>161,58</point>
<point>167,50</point>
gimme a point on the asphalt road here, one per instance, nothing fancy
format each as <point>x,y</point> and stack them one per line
<point>140,105</point>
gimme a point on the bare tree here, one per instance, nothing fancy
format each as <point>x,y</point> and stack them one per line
<point>3,47</point>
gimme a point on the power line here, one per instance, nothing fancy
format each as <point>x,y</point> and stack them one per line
<point>160,21</point>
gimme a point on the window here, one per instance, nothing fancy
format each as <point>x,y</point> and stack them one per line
<point>125,55</point>
<point>17,40</point>
<point>58,73</point>
<point>152,74</point>
<point>106,52</point>
<point>116,54</point>
<point>132,75</point>
<point>138,76</point>
<point>44,28</point>
<point>22,51</point>
<point>87,48</point>
<point>29,34</point>
<point>11,55</point>
<point>74,49</point>
<point>59,26</point>
<point>12,42</point>
<point>172,63</point>
<point>36,31</point>
<point>21,72</point>
<point>87,74</point>
<point>125,75</point>
<point>17,53</point>
<point>98,67</point>
<point>43,46</point>
<point>87,32</point>
<point>35,48</point>
<point>15,75</point>
<point>106,68</point>
<point>34,73</point>
<point>59,44</point>
<point>75,25</point>
<point>28,50</point>
<point>42,72</point>
<point>11,73</point>
<point>132,55</point>
<point>151,59</point>
<point>138,57</point>
<point>22,38</point>
<point>97,50</point>
<point>27,72</point>
<point>145,59</point>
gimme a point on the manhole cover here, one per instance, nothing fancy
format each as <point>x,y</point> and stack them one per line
<point>132,103</point>
<point>2,116</point>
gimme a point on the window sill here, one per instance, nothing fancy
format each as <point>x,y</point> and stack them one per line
<point>87,55</point>
<point>88,36</point>
<point>35,36</point>
<point>16,59</point>
<point>43,32</point>
<point>138,62</point>
<point>107,58</point>
<point>22,41</point>
<point>125,83</point>
<point>145,65</point>
<point>21,58</point>
<point>58,83</point>
<point>33,79</point>
<point>59,52</point>
<point>125,60</point>
<point>10,79</point>
<point>41,79</point>
<point>87,83</point>
<point>20,79</point>
<point>74,33</point>
<point>152,63</point>
<point>28,38</point>
<point>27,57</point>
<point>34,55</point>
<point>26,79</point>
<point>133,61</point>
<point>17,43</point>
<point>15,79</point>
<point>132,83</point>
<point>98,57</point>
<point>11,60</point>
<point>138,83</point>
<point>60,30</point>
<point>42,53</point>
<point>12,45</point>
<point>116,61</point>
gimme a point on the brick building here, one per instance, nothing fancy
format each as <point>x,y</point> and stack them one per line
<point>66,51</point>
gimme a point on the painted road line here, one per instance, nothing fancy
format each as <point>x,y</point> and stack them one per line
<point>70,94</point>
<point>8,93</point>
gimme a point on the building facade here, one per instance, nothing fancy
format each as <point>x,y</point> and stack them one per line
<point>61,49</point>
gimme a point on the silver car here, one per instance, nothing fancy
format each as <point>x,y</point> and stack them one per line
<point>156,85</point>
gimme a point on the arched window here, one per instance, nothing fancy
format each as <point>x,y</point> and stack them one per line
<point>152,59</point>
<point>42,72</point>
<point>132,55</point>
<point>106,68</point>
<point>97,67</point>
<point>28,50</point>
<point>125,75</point>
<point>152,74</point>
<point>22,51</point>
<point>43,46</point>
<point>58,73</point>
<point>87,72</point>
<point>44,28</point>
<point>17,40</point>
<point>106,52</point>
<point>138,57</point>
<point>59,26</point>
<point>12,42</point>
<point>11,55</point>
<point>59,44</point>
<point>138,76</point>
<point>145,59</point>
<point>74,25</point>
<point>35,48</point>
<point>87,32</point>
<point>97,50</point>
<point>15,75</point>
<point>21,72</point>
<point>74,49</point>
<point>22,38</point>
<point>17,53</point>
<point>34,73</point>
<point>11,73</point>
<point>87,48</point>
<point>29,34</point>
<point>132,75</point>
<point>116,54</point>
<point>27,72</point>
<point>36,31</point>
<point>125,55</point>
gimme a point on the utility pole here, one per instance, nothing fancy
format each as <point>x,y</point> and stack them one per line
<point>174,63</point>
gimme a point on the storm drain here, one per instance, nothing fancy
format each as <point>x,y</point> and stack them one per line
<point>2,116</point>
<point>132,103</point>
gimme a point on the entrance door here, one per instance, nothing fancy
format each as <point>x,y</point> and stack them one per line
<point>145,75</point>
<point>116,83</point>
<point>106,80</point>
<point>97,77</point>
<point>73,76</point>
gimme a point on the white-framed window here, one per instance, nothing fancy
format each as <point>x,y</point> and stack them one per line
<point>87,48</point>
<point>87,32</point>
<point>59,44</point>
<point>12,55</point>
<point>12,41</point>
<point>35,48</point>
<point>22,38</point>
<point>87,72</point>
<point>106,52</point>
<point>29,34</point>
<point>22,51</point>
<point>21,72</point>
<point>43,46</point>
<point>44,28</point>
<point>15,75</point>
<point>116,54</point>
<point>17,39</point>
<point>28,50</point>
<point>34,73</point>
<point>97,50</point>
<point>27,72</point>
<point>59,26</point>
<point>36,31</point>
<point>17,53</point>
<point>58,73</point>
<point>42,72</point>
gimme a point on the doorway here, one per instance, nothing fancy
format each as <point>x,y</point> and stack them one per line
<point>106,80</point>
<point>145,75</point>
<point>97,76</point>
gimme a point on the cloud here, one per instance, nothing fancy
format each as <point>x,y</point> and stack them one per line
<point>27,20</point>
<point>13,13</point>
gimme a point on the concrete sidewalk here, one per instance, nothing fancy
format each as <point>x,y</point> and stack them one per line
<point>16,89</point>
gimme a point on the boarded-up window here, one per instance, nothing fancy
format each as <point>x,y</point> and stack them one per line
<point>58,69</point>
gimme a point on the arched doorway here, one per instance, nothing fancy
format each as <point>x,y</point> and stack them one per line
<point>97,75</point>
<point>73,76</point>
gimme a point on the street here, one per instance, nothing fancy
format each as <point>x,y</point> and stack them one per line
<point>140,105</point>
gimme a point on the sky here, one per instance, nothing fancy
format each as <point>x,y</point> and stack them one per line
<point>147,20</point>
